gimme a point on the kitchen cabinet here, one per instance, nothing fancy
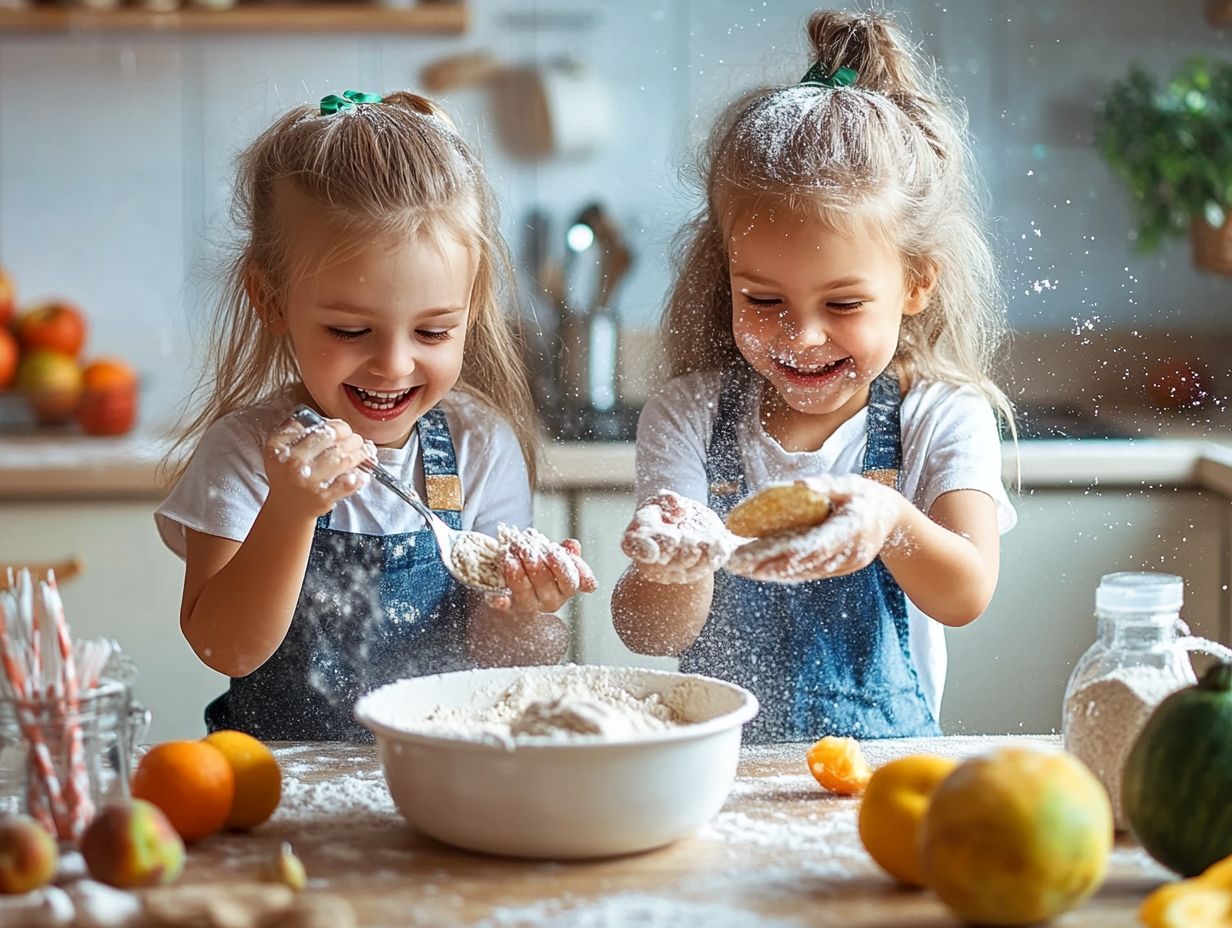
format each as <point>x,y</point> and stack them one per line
<point>1008,670</point>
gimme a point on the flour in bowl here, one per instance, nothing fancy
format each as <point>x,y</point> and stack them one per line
<point>567,704</point>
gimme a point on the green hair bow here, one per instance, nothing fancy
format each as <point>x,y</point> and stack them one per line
<point>820,76</point>
<point>336,104</point>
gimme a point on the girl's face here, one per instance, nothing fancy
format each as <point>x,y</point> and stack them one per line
<point>378,333</point>
<point>815,311</point>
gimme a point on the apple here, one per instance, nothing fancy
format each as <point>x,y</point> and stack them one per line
<point>8,298</point>
<point>54,325</point>
<point>108,398</point>
<point>8,358</point>
<point>52,384</point>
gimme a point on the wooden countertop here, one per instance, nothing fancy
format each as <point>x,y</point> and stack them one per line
<point>781,852</point>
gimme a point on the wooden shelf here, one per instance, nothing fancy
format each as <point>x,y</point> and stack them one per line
<point>336,17</point>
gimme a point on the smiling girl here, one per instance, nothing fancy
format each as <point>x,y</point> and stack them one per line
<point>834,319</point>
<point>369,284</point>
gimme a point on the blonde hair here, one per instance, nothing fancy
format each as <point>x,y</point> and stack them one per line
<point>889,149</point>
<point>398,166</point>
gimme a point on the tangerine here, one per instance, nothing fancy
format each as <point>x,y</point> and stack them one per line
<point>839,765</point>
<point>258,778</point>
<point>192,782</point>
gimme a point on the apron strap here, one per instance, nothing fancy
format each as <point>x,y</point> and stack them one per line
<point>883,455</point>
<point>440,465</point>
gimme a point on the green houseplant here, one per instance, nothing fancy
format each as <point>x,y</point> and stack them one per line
<point>1170,142</point>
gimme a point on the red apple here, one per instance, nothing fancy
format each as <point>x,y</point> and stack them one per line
<point>8,298</point>
<point>1178,383</point>
<point>52,384</point>
<point>54,325</point>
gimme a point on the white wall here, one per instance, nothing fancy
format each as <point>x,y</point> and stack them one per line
<point>115,151</point>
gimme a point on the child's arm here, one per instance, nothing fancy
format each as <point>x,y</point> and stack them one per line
<point>662,601</point>
<point>520,629</point>
<point>239,597</point>
<point>946,561</point>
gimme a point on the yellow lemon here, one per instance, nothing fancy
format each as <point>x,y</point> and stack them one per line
<point>258,778</point>
<point>893,807</point>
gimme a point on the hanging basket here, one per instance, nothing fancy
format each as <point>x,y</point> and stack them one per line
<point>1212,247</point>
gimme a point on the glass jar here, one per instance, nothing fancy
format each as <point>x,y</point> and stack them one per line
<point>36,737</point>
<point>1140,656</point>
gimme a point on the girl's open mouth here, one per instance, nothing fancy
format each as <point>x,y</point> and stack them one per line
<point>814,376</point>
<point>380,405</point>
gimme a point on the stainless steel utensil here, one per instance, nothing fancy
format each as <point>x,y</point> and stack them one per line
<point>463,552</point>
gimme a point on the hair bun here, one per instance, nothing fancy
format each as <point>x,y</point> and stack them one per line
<point>421,105</point>
<point>870,43</point>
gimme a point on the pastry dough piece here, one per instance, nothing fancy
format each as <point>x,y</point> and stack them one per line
<point>783,507</point>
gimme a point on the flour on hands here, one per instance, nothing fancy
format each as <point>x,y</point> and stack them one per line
<point>674,539</point>
<point>864,518</point>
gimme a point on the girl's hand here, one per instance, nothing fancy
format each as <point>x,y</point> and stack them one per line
<point>864,517</point>
<point>541,575</point>
<point>674,539</point>
<point>309,470</point>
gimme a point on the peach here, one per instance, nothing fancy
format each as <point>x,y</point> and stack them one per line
<point>8,358</point>
<point>51,383</point>
<point>27,855</point>
<point>131,845</point>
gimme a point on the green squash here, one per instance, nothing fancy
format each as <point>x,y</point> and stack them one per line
<point>1177,787</point>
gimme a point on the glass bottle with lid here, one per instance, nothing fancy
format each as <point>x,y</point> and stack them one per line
<point>1140,656</point>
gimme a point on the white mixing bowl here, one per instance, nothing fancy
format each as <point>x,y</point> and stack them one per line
<point>557,799</point>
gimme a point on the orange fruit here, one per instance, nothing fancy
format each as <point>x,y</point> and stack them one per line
<point>892,812</point>
<point>839,766</point>
<point>192,783</point>
<point>258,778</point>
<point>107,374</point>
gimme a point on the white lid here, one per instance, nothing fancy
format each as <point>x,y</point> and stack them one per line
<point>1140,592</point>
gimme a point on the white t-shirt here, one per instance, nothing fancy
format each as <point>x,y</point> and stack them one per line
<point>950,442</point>
<point>224,485</point>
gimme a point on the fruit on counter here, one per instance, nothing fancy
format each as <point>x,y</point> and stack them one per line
<point>51,383</point>
<point>287,869</point>
<point>8,299</point>
<point>892,812</point>
<point>192,782</point>
<point>1179,383</point>
<point>1016,836</point>
<point>108,398</point>
<point>53,325</point>
<point>27,855</point>
<point>1203,901</point>
<point>131,845</point>
<point>258,778</point>
<point>8,358</point>
<point>1177,787</point>
<point>839,765</point>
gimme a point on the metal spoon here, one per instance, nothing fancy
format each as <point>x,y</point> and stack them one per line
<point>473,558</point>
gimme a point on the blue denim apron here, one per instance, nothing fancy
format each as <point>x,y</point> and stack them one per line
<point>372,609</point>
<point>825,657</point>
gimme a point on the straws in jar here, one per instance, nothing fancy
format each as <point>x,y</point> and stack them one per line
<point>45,674</point>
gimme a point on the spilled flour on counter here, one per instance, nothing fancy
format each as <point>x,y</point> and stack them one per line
<point>629,910</point>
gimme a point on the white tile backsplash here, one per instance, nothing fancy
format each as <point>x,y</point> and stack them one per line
<point>114,193</point>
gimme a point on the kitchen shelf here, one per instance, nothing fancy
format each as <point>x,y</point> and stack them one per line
<point>257,18</point>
